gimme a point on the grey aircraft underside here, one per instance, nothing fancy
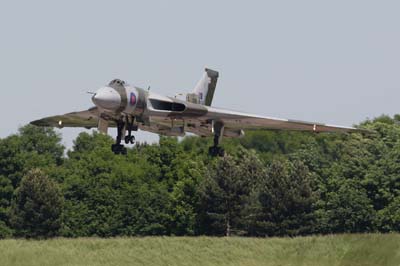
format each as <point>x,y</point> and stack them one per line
<point>129,108</point>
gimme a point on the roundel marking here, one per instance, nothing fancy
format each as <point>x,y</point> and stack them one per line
<point>132,99</point>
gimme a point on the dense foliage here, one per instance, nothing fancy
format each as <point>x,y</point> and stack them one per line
<point>37,206</point>
<point>270,183</point>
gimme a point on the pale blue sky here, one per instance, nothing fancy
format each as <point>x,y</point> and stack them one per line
<point>335,62</point>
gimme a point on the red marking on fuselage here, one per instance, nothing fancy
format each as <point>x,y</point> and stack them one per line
<point>133,99</point>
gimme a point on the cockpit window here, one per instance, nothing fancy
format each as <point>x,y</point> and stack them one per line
<point>117,81</point>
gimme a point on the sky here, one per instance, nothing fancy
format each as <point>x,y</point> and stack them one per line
<point>327,61</point>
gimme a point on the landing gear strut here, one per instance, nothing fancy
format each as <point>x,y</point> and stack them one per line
<point>216,150</point>
<point>118,148</point>
<point>122,126</point>
<point>130,126</point>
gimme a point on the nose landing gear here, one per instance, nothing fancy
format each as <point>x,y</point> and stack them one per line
<point>130,127</point>
<point>122,127</point>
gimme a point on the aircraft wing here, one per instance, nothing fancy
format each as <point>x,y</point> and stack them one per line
<point>232,120</point>
<point>87,119</point>
<point>239,120</point>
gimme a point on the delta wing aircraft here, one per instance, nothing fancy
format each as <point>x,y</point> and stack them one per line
<point>129,108</point>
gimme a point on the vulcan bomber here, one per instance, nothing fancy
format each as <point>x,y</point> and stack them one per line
<point>130,108</point>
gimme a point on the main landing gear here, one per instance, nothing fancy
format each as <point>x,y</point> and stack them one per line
<point>216,150</point>
<point>122,127</point>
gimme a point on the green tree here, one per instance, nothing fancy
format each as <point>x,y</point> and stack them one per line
<point>32,147</point>
<point>5,231</point>
<point>37,206</point>
<point>185,195</point>
<point>226,190</point>
<point>283,203</point>
<point>346,209</point>
<point>6,192</point>
<point>389,217</point>
<point>270,143</point>
<point>108,195</point>
<point>383,174</point>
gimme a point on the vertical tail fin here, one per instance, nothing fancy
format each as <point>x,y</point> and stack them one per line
<point>203,92</point>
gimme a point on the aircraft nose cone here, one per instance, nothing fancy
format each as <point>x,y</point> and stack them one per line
<point>107,98</point>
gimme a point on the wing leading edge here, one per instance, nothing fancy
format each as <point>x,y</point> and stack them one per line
<point>86,119</point>
<point>239,120</point>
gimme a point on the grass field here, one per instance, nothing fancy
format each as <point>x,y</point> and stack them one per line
<point>371,249</point>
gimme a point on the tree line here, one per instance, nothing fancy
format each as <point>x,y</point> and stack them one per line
<point>270,183</point>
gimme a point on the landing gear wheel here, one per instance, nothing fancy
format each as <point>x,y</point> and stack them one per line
<point>130,139</point>
<point>211,151</point>
<point>216,151</point>
<point>221,152</point>
<point>118,149</point>
<point>130,126</point>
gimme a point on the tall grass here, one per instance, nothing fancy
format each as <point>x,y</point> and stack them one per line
<point>370,249</point>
